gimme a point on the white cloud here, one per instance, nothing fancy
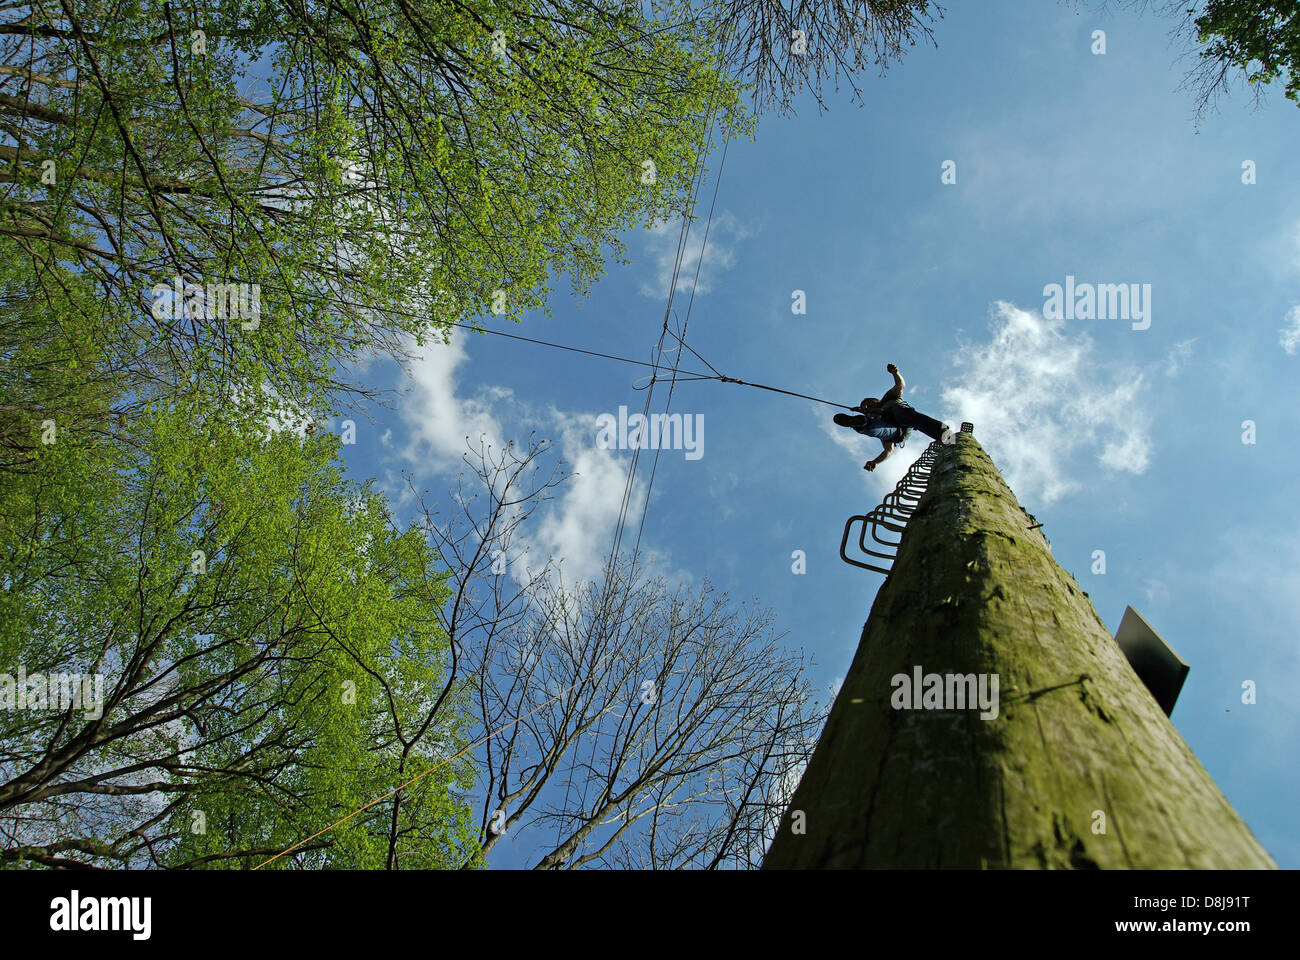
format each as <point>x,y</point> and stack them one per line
<point>722,493</point>
<point>1157,593</point>
<point>1132,452</point>
<point>1009,177</point>
<point>1037,394</point>
<point>439,420</point>
<point>1289,336</point>
<point>857,446</point>
<point>578,529</point>
<point>720,254</point>
<point>1178,354</point>
<point>861,449</point>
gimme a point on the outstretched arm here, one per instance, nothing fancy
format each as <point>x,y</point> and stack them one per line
<point>885,454</point>
<point>896,391</point>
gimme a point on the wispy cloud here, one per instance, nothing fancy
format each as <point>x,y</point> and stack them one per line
<point>1037,395</point>
<point>722,492</point>
<point>576,528</point>
<point>861,449</point>
<point>439,420</point>
<point>1289,335</point>
<point>719,254</point>
<point>1178,354</point>
<point>1157,594</point>
<point>1009,178</point>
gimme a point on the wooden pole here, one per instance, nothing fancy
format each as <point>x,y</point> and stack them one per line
<point>1079,768</point>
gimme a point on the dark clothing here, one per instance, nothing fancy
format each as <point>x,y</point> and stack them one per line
<point>892,422</point>
<point>884,429</point>
<point>906,416</point>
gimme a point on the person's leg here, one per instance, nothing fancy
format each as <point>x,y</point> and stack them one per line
<point>906,416</point>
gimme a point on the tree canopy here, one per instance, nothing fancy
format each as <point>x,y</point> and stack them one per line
<point>269,643</point>
<point>211,212</point>
<point>375,167</point>
<point>1259,37</point>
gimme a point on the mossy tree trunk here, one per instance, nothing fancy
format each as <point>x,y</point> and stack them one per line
<point>1079,769</point>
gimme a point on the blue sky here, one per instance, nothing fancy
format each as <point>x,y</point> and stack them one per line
<point>1122,440</point>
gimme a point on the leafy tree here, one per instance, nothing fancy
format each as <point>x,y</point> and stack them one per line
<point>268,647</point>
<point>1224,39</point>
<point>375,167</point>
<point>209,209</point>
<point>1259,37</point>
<point>54,374</point>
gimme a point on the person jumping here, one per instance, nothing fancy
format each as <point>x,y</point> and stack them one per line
<point>890,419</point>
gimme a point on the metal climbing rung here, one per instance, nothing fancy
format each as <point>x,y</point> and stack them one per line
<point>893,513</point>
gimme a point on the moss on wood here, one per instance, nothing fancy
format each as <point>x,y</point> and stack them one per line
<point>1080,769</point>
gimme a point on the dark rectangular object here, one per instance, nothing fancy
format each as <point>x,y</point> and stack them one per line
<point>1154,661</point>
